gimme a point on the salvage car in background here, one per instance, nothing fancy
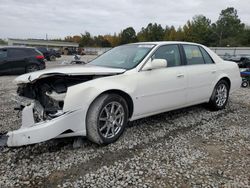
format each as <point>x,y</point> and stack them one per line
<point>19,60</point>
<point>49,54</point>
<point>128,82</point>
<point>243,61</point>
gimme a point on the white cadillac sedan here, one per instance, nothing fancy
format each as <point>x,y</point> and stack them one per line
<point>124,84</point>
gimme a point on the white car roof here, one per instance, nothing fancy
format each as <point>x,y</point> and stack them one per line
<point>167,42</point>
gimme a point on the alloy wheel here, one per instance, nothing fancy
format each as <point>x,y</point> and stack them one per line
<point>221,95</point>
<point>111,119</point>
<point>31,68</point>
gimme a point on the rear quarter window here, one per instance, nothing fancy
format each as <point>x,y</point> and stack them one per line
<point>206,56</point>
<point>43,50</point>
<point>32,52</point>
<point>37,52</point>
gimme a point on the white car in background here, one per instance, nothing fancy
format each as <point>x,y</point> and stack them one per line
<point>128,82</point>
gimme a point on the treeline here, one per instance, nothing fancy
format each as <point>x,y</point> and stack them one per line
<point>228,30</point>
<point>3,42</point>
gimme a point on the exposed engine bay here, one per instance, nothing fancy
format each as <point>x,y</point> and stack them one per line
<point>48,94</point>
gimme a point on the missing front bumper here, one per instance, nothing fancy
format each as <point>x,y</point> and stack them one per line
<point>31,132</point>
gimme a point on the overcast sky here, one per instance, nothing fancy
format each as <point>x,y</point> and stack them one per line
<point>59,18</point>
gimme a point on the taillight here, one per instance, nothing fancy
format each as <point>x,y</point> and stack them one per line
<point>39,57</point>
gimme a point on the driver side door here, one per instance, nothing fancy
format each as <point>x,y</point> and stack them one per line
<point>162,89</point>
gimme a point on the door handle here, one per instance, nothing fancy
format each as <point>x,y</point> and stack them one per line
<point>180,75</point>
<point>213,71</point>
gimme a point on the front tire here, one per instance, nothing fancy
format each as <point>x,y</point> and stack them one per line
<point>219,96</point>
<point>106,119</point>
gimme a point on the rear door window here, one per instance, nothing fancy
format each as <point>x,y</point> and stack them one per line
<point>16,53</point>
<point>193,55</point>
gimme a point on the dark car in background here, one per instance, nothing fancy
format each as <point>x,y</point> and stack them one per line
<point>18,60</point>
<point>49,54</point>
<point>69,51</point>
<point>57,53</point>
<point>243,61</point>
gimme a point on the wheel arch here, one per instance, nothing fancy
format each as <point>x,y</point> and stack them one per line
<point>226,79</point>
<point>222,77</point>
<point>123,94</point>
<point>29,64</point>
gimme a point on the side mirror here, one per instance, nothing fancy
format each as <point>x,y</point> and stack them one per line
<point>155,64</point>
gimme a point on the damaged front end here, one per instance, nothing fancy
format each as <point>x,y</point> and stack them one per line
<point>41,96</point>
<point>46,96</point>
<point>41,105</point>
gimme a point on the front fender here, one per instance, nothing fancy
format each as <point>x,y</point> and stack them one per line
<point>82,95</point>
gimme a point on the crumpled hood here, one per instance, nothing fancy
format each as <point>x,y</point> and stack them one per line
<point>68,70</point>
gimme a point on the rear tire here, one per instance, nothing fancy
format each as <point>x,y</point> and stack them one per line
<point>31,68</point>
<point>219,96</point>
<point>106,119</point>
<point>244,83</point>
<point>52,58</point>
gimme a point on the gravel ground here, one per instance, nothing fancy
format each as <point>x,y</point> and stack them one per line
<point>191,147</point>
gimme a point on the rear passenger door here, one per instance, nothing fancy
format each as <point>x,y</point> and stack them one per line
<point>17,59</point>
<point>201,71</point>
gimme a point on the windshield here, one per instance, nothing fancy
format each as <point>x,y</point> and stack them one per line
<point>125,57</point>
